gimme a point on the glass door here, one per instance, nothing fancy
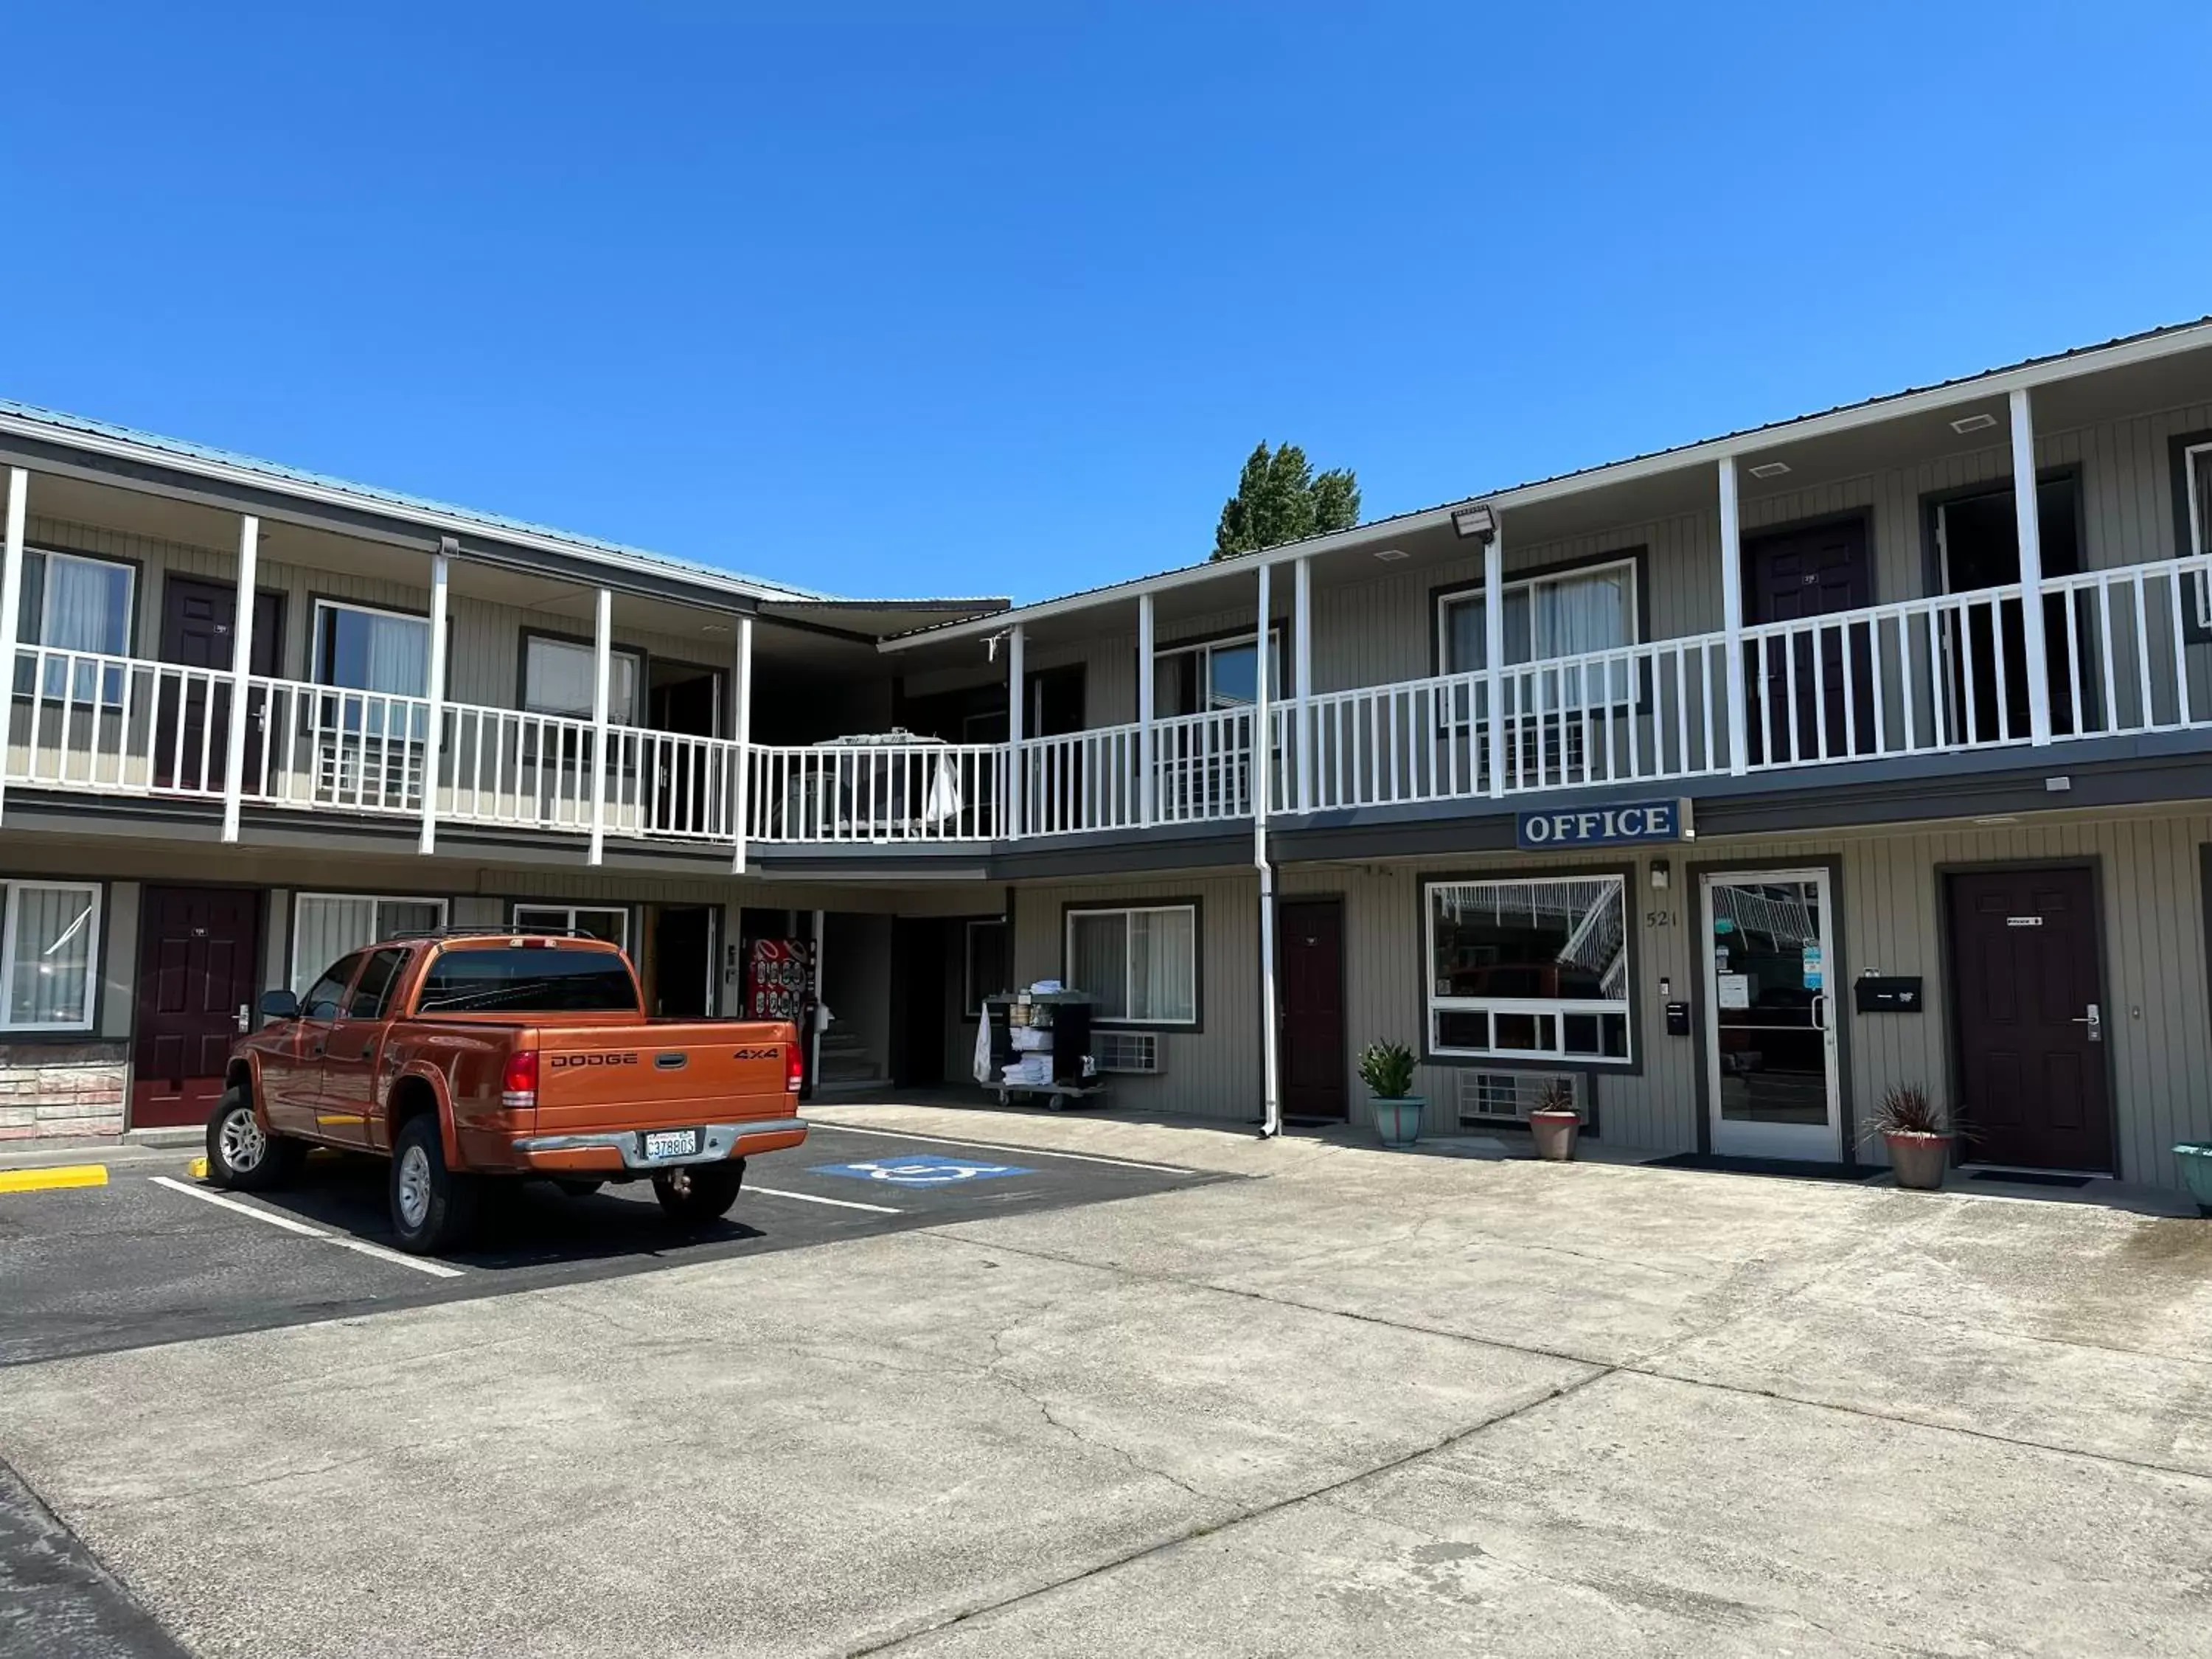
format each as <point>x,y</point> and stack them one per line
<point>1770,1015</point>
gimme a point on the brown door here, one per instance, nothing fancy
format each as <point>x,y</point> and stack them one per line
<point>1309,934</point>
<point>197,947</point>
<point>192,723</point>
<point>1794,575</point>
<point>2029,1019</point>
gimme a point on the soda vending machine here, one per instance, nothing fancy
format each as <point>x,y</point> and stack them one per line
<point>780,985</point>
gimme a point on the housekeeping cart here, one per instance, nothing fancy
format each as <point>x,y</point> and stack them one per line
<point>1040,1048</point>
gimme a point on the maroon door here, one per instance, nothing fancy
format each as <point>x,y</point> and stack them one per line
<point>197,947</point>
<point>1794,575</point>
<point>2030,1015</point>
<point>1310,939</point>
<point>192,725</point>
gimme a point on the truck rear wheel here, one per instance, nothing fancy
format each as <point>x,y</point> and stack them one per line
<point>699,1193</point>
<point>433,1208</point>
<point>241,1154</point>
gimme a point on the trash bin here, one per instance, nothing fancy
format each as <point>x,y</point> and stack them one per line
<point>2195,1158</point>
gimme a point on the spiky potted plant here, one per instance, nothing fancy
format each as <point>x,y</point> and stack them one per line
<point>1917,1133</point>
<point>1387,1069</point>
<point>1555,1122</point>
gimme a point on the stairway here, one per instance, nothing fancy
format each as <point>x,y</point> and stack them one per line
<point>848,1066</point>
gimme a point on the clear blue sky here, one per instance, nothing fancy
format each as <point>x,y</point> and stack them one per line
<point>965,298</point>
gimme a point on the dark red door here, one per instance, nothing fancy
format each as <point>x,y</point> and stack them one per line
<point>2030,1017</point>
<point>197,951</point>
<point>1309,942</point>
<point>193,723</point>
<point>1794,576</point>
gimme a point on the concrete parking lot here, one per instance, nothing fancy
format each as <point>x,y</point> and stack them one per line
<point>1302,1399</point>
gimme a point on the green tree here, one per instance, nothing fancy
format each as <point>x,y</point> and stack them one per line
<point>1280,498</point>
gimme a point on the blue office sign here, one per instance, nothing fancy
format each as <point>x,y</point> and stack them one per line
<point>1629,823</point>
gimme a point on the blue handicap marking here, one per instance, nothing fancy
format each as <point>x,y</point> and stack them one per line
<point>921,1170</point>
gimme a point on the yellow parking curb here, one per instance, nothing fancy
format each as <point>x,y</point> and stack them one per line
<point>197,1169</point>
<point>61,1175</point>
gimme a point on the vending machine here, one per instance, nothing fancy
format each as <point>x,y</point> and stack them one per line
<point>780,985</point>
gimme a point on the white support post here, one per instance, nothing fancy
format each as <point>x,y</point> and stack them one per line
<point>1263,757</point>
<point>1148,782</point>
<point>1017,709</point>
<point>1739,710</point>
<point>1302,668</point>
<point>434,693</point>
<point>602,678</point>
<point>241,665</point>
<point>1493,647</point>
<point>744,751</point>
<point>2031,569</point>
<point>11,602</point>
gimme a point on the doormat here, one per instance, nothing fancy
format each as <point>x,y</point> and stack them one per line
<point>2030,1178</point>
<point>1791,1168</point>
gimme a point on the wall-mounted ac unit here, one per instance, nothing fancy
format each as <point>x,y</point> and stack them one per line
<point>1488,1098</point>
<point>1127,1052</point>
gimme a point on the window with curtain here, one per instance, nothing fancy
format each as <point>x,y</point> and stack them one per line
<point>1141,963</point>
<point>328,925</point>
<point>558,675</point>
<point>609,923</point>
<point>1545,616</point>
<point>1535,967</point>
<point>51,954</point>
<point>1219,674</point>
<point>73,603</point>
<point>362,649</point>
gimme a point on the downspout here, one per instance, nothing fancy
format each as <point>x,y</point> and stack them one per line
<point>1263,751</point>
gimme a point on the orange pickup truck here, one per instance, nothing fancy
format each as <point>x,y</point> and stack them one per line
<point>462,1056</point>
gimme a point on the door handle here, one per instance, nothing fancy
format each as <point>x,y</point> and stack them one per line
<point>245,1016</point>
<point>2095,1019</point>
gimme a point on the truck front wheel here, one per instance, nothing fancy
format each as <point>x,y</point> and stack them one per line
<point>433,1208</point>
<point>699,1193</point>
<point>241,1154</point>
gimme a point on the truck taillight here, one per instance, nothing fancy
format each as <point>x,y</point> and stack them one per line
<point>793,1076</point>
<point>518,1085</point>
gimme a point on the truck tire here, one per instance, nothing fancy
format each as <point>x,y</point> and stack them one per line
<point>433,1208</point>
<point>241,1154</point>
<point>699,1193</point>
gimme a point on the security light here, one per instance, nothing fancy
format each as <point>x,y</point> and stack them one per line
<point>1478,521</point>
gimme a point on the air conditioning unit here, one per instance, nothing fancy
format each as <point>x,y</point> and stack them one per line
<point>1128,1053</point>
<point>1489,1098</point>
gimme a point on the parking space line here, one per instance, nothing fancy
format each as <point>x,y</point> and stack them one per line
<point>435,1269</point>
<point>1001,1146</point>
<point>816,1197</point>
<point>53,1177</point>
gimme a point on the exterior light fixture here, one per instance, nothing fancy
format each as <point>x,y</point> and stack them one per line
<point>1770,469</point>
<point>1477,522</point>
<point>1967,423</point>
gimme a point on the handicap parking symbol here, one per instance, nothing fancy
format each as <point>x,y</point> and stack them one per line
<point>921,1170</point>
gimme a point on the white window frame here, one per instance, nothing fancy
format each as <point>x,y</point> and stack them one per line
<point>1558,1007</point>
<point>378,932</point>
<point>1204,650</point>
<point>317,666</point>
<point>47,589</point>
<point>58,683</point>
<point>571,912</point>
<point>639,691</point>
<point>1129,958</point>
<point>2195,457</point>
<point>1529,585</point>
<point>92,956</point>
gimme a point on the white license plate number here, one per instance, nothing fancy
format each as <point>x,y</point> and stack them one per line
<point>671,1143</point>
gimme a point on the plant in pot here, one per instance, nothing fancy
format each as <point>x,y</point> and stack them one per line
<point>1555,1122</point>
<point>1917,1133</point>
<point>1387,1069</point>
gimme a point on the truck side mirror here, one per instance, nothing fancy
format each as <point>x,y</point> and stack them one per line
<point>279,1005</point>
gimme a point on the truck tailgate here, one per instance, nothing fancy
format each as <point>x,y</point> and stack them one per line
<point>665,1074</point>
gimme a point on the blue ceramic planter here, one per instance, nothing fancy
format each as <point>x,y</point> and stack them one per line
<point>1399,1122</point>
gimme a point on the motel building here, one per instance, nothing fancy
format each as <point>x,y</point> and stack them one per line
<point>1733,785</point>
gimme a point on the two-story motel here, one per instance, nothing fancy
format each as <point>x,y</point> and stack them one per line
<point>1733,784</point>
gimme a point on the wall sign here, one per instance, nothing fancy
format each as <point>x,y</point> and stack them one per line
<point>1627,824</point>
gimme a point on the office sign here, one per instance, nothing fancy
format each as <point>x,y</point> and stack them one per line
<point>1628,825</point>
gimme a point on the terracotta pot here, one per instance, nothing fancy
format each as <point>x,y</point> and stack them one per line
<point>1398,1119</point>
<point>1917,1158</point>
<point>1555,1135</point>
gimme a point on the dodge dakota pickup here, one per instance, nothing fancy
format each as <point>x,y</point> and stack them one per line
<point>463,1057</point>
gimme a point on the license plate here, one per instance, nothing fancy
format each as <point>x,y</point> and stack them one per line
<point>671,1143</point>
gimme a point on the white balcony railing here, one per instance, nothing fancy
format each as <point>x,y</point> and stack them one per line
<point>2126,651</point>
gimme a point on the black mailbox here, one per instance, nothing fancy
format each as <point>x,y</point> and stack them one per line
<point>1878,995</point>
<point>1677,1020</point>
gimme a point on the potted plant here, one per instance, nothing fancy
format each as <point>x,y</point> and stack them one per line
<point>1387,1069</point>
<point>1916,1133</point>
<point>1555,1122</point>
